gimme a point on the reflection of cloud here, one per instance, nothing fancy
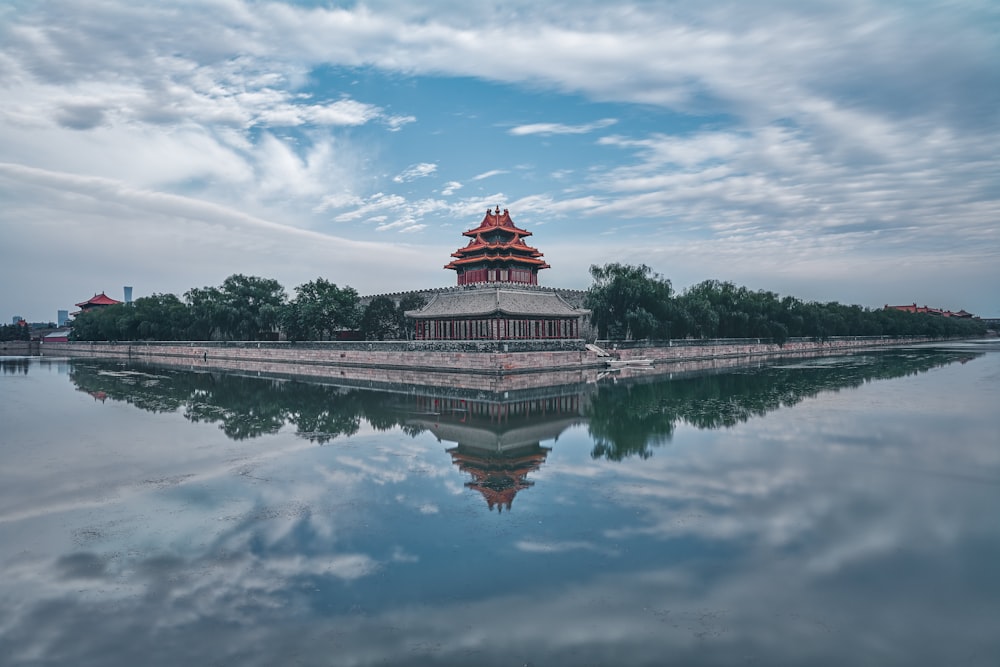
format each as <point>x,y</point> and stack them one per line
<point>812,536</point>
<point>81,566</point>
<point>640,617</point>
<point>538,547</point>
<point>379,474</point>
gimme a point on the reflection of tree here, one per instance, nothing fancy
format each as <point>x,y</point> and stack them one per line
<point>624,419</point>
<point>629,420</point>
<point>14,366</point>
<point>244,407</point>
<point>322,413</point>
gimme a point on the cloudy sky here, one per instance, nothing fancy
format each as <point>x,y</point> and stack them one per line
<point>843,150</point>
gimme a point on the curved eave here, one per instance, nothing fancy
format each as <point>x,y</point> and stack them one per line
<point>484,228</point>
<point>509,246</point>
<point>417,315</point>
<point>528,261</point>
<point>497,301</point>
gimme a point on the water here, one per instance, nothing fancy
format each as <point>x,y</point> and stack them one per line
<point>829,511</point>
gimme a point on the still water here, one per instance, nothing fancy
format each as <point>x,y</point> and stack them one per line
<point>830,511</point>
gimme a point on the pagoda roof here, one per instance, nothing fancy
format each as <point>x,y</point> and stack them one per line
<point>101,299</point>
<point>497,220</point>
<point>487,440</point>
<point>516,259</point>
<point>483,301</point>
<point>478,243</point>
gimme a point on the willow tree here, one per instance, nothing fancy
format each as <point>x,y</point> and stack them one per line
<point>629,302</point>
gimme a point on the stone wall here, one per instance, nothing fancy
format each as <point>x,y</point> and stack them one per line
<point>660,352</point>
<point>527,369</point>
<point>482,357</point>
<point>18,348</point>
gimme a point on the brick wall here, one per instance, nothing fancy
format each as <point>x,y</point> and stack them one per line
<point>459,357</point>
<point>452,368</point>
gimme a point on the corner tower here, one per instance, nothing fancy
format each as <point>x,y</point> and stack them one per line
<point>497,253</point>
<point>497,296</point>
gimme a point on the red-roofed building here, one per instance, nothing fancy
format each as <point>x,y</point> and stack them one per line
<point>496,252</point>
<point>914,308</point>
<point>497,296</point>
<point>101,300</point>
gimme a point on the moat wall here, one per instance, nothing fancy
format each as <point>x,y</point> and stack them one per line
<point>464,357</point>
<point>19,347</point>
<point>678,350</point>
<point>490,370</point>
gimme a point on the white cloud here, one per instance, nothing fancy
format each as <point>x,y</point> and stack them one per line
<point>489,174</point>
<point>853,130</point>
<point>421,170</point>
<point>377,202</point>
<point>139,236</point>
<point>548,129</point>
<point>450,188</point>
<point>396,123</point>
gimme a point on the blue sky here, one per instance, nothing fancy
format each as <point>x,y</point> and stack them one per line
<point>840,151</point>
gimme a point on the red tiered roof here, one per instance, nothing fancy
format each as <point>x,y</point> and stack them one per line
<point>499,477</point>
<point>496,252</point>
<point>101,299</point>
<point>496,219</point>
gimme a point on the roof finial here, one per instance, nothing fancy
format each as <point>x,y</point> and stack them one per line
<point>498,209</point>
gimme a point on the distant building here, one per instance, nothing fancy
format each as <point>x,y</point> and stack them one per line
<point>61,336</point>
<point>101,300</point>
<point>17,319</point>
<point>497,296</point>
<point>962,314</point>
<point>62,317</point>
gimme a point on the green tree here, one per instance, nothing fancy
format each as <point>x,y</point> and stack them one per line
<point>320,309</point>
<point>157,317</point>
<point>10,332</point>
<point>629,302</point>
<point>380,319</point>
<point>410,301</point>
<point>251,306</point>
<point>100,323</point>
<point>206,309</point>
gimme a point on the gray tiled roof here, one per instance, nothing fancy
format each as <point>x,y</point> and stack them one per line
<point>487,439</point>
<point>485,301</point>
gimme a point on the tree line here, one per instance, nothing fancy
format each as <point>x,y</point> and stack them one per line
<point>626,302</point>
<point>250,308</point>
<point>11,332</point>
<point>634,303</point>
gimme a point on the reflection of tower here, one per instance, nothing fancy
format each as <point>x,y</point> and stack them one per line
<point>499,475</point>
<point>498,444</point>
